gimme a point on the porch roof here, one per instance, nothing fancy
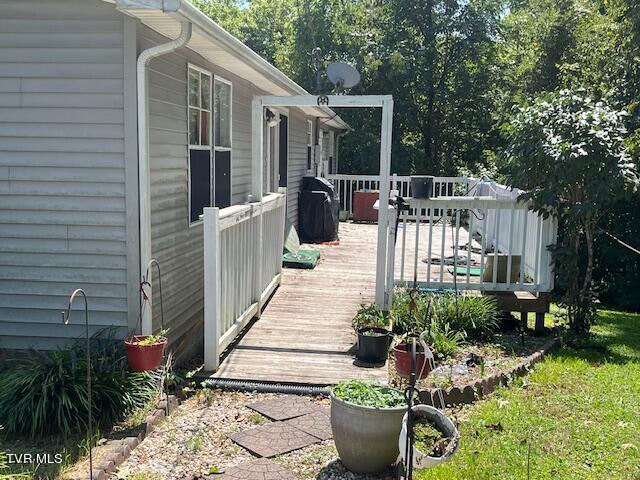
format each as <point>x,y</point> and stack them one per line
<point>221,48</point>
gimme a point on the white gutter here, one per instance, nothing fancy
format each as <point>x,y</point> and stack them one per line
<point>144,174</point>
<point>207,25</point>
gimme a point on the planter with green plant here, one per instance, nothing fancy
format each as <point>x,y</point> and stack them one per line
<point>411,314</point>
<point>366,420</point>
<point>145,352</point>
<point>435,437</point>
<point>371,325</point>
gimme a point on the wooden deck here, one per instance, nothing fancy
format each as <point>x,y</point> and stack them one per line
<point>304,335</point>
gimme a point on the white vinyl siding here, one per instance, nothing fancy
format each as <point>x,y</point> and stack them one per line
<point>177,246</point>
<point>62,170</point>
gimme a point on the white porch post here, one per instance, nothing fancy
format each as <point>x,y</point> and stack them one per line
<point>212,288</point>
<point>383,291</point>
<point>257,115</point>
<point>256,149</point>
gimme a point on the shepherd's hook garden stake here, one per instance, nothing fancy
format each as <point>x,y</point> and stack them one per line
<point>65,319</point>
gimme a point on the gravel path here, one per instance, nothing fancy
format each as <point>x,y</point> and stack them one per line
<point>194,439</point>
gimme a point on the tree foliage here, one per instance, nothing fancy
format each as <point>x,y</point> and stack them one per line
<point>459,70</point>
<point>567,151</point>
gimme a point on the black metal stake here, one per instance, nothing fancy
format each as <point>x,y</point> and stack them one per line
<point>65,320</point>
<point>145,280</point>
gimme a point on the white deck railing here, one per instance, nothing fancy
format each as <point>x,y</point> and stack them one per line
<point>346,185</point>
<point>242,267</point>
<point>491,241</point>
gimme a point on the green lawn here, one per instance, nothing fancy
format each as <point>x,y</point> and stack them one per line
<point>577,416</point>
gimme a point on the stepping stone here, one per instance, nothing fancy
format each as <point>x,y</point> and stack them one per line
<point>259,469</point>
<point>273,439</point>
<point>283,408</point>
<point>317,424</point>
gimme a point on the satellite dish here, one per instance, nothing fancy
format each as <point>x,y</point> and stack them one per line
<point>343,75</point>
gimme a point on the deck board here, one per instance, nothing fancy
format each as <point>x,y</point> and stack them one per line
<point>304,335</point>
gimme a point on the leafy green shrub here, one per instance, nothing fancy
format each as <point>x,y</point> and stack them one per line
<point>370,316</point>
<point>47,393</point>
<point>368,394</point>
<point>477,316</point>
<point>567,151</point>
<point>444,341</point>
<point>409,313</point>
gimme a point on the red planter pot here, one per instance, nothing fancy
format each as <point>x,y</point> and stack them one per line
<point>402,356</point>
<point>143,357</point>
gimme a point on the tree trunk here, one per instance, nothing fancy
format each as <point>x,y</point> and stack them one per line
<point>584,300</point>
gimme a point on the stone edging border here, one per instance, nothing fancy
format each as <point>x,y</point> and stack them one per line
<point>481,388</point>
<point>123,447</point>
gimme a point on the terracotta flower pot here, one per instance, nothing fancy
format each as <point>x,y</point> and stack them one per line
<point>144,357</point>
<point>402,356</point>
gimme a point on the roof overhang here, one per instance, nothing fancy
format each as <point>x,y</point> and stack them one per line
<point>221,48</point>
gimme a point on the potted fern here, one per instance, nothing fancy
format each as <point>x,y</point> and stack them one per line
<point>371,325</point>
<point>145,352</point>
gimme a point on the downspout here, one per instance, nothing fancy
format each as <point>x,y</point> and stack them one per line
<point>144,174</point>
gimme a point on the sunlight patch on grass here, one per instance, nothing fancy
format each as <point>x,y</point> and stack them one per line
<point>577,416</point>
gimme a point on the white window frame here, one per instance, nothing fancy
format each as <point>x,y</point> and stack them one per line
<point>214,147</point>
<point>191,146</point>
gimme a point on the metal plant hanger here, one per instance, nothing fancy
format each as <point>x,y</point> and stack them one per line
<point>65,319</point>
<point>144,300</point>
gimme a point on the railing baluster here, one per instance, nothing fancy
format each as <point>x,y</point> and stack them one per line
<point>444,213</point>
<point>417,249</point>
<point>496,247</point>
<point>536,275</point>
<point>523,262</point>
<point>469,245</point>
<point>430,252</point>
<point>510,245</point>
<point>483,247</point>
<point>456,245</point>
<point>404,244</point>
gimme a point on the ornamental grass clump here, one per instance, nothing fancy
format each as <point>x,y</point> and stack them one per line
<point>47,392</point>
<point>475,316</point>
<point>366,394</point>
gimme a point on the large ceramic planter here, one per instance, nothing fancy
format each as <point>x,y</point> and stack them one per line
<point>442,423</point>
<point>402,358</point>
<point>366,438</point>
<point>144,357</point>
<point>373,344</point>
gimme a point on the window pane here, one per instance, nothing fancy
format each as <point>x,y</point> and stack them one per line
<point>204,127</point>
<point>222,106</point>
<point>205,91</point>
<point>194,126</point>
<point>194,88</point>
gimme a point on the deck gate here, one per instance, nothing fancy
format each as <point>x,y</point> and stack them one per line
<point>242,267</point>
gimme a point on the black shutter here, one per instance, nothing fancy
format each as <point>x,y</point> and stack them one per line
<point>283,149</point>
<point>222,167</point>
<point>200,178</point>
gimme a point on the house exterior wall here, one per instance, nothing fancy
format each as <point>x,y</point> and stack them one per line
<point>68,172</point>
<point>63,223</point>
<point>297,167</point>
<point>177,245</point>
